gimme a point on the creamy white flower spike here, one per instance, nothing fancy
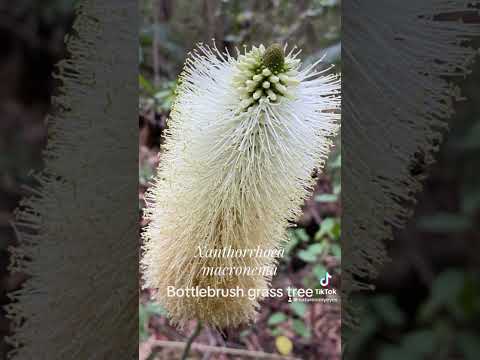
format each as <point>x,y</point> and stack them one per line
<point>244,136</point>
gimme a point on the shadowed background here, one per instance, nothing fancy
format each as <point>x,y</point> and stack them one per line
<point>427,298</point>
<point>31,34</point>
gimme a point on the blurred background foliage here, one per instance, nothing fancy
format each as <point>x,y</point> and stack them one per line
<point>171,29</point>
<point>31,37</point>
<point>427,299</point>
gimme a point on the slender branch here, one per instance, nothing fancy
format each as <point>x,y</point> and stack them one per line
<point>196,332</point>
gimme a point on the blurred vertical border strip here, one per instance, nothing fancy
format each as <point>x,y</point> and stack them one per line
<point>77,232</point>
<point>399,59</point>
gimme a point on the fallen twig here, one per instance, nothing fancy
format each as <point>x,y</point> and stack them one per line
<point>156,345</point>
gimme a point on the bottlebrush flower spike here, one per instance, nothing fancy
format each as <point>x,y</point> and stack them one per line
<point>244,135</point>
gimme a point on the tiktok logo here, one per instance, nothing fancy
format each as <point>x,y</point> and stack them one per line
<point>325,280</point>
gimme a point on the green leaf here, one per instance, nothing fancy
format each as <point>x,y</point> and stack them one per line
<point>141,58</point>
<point>142,322</point>
<point>330,227</point>
<point>145,311</point>
<point>444,223</point>
<point>336,163</point>
<point>156,309</point>
<point>329,3</point>
<point>392,352</point>
<point>336,231</point>
<point>319,271</point>
<point>299,308</point>
<point>308,282</point>
<point>472,140</point>
<point>146,173</point>
<point>336,250</point>
<point>315,249</point>
<point>300,328</point>
<point>293,241</point>
<point>471,201</point>
<point>420,343</point>
<point>326,198</point>
<point>337,189</point>
<point>302,234</point>
<point>307,256</point>
<point>469,345</point>
<point>327,225</point>
<point>162,94</point>
<point>245,333</point>
<point>276,331</point>
<point>446,291</point>
<point>388,310</point>
<point>277,318</point>
<point>146,85</point>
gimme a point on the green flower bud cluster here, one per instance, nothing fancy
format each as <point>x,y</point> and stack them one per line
<point>264,75</point>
